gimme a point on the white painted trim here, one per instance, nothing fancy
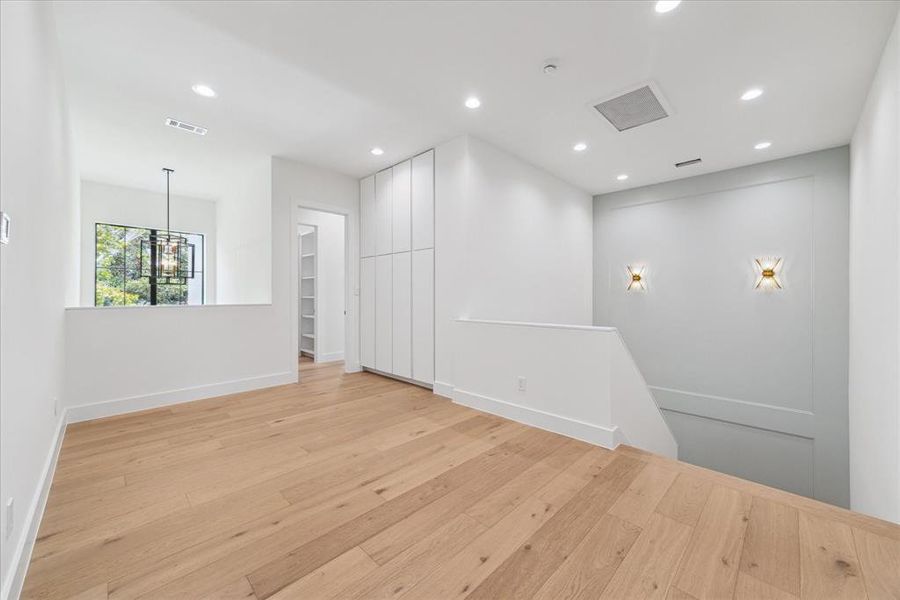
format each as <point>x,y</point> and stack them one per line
<point>12,587</point>
<point>587,432</point>
<point>352,367</point>
<point>147,307</point>
<point>108,408</point>
<point>329,357</point>
<point>400,378</point>
<point>445,390</point>
<point>780,419</point>
<point>541,325</point>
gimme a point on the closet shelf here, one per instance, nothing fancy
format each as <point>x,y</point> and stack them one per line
<point>309,336</point>
<point>308,316</point>
<point>308,277</point>
<point>308,297</point>
<point>310,255</point>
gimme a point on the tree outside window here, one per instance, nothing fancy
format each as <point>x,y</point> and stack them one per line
<point>118,281</point>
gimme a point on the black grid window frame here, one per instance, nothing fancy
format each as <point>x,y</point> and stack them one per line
<point>150,231</point>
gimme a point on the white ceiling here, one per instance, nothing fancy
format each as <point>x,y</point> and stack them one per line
<point>324,82</point>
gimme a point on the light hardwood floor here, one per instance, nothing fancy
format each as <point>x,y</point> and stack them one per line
<point>357,486</point>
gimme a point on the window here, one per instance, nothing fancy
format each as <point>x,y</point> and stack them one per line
<point>117,270</point>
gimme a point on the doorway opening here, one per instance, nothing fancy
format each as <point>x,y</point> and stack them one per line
<point>321,247</point>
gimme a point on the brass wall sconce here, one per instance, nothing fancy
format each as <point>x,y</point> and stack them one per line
<point>767,269</point>
<point>635,278</point>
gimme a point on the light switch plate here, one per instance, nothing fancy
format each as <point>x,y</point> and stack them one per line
<point>4,228</point>
<point>10,518</point>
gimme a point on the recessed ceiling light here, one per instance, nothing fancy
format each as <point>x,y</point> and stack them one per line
<point>622,177</point>
<point>203,90</point>
<point>579,147</point>
<point>377,151</point>
<point>762,145</point>
<point>472,102</point>
<point>752,94</point>
<point>664,6</point>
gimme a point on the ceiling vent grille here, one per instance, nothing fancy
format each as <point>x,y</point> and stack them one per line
<point>633,109</point>
<point>186,126</point>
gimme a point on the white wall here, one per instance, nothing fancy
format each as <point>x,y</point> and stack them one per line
<point>218,350</point>
<point>512,242</point>
<point>752,383</point>
<point>221,349</point>
<point>330,291</point>
<point>875,295</point>
<point>294,185</point>
<point>38,269</point>
<point>104,203</point>
<point>576,380</point>
<point>244,236</point>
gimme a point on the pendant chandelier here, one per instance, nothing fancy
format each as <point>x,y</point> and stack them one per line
<point>166,257</point>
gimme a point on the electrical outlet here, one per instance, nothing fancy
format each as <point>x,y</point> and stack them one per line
<point>522,383</point>
<point>10,518</point>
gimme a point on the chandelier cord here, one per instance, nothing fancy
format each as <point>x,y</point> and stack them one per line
<point>168,172</point>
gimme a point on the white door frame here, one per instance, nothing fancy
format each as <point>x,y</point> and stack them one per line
<point>351,281</point>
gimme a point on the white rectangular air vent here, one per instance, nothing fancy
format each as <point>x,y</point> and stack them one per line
<point>634,108</point>
<point>186,126</point>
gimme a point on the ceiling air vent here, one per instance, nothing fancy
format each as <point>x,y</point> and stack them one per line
<point>687,163</point>
<point>632,109</point>
<point>186,126</point>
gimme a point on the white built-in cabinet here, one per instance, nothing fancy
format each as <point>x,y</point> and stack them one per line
<point>367,311</point>
<point>422,203</point>
<point>397,270</point>
<point>423,315</point>
<point>384,202</point>
<point>367,210</point>
<point>401,318</point>
<point>384,311</point>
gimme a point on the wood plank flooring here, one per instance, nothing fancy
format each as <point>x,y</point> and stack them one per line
<point>356,486</point>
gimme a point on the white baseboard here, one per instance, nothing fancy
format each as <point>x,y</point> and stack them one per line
<point>329,356</point>
<point>443,389</point>
<point>608,437</point>
<point>352,367</point>
<point>120,406</point>
<point>12,587</point>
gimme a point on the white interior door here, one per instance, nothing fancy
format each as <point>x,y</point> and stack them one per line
<point>401,207</point>
<point>423,201</point>
<point>367,216</point>
<point>423,316</point>
<point>383,313</point>
<point>402,315</point>
<point>384,200</point>
<point>367,312</point>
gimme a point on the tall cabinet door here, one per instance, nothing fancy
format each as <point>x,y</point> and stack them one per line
<point>401,207</point>
<point>367,312</point>
<point>423,201</point>
<point>423,315</point>
<point>402,315</point>
<point>367,216</point>
<point>383,313</point>
<point>384,200</point>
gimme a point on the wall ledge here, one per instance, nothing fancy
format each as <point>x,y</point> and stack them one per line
<point>166,307</point>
